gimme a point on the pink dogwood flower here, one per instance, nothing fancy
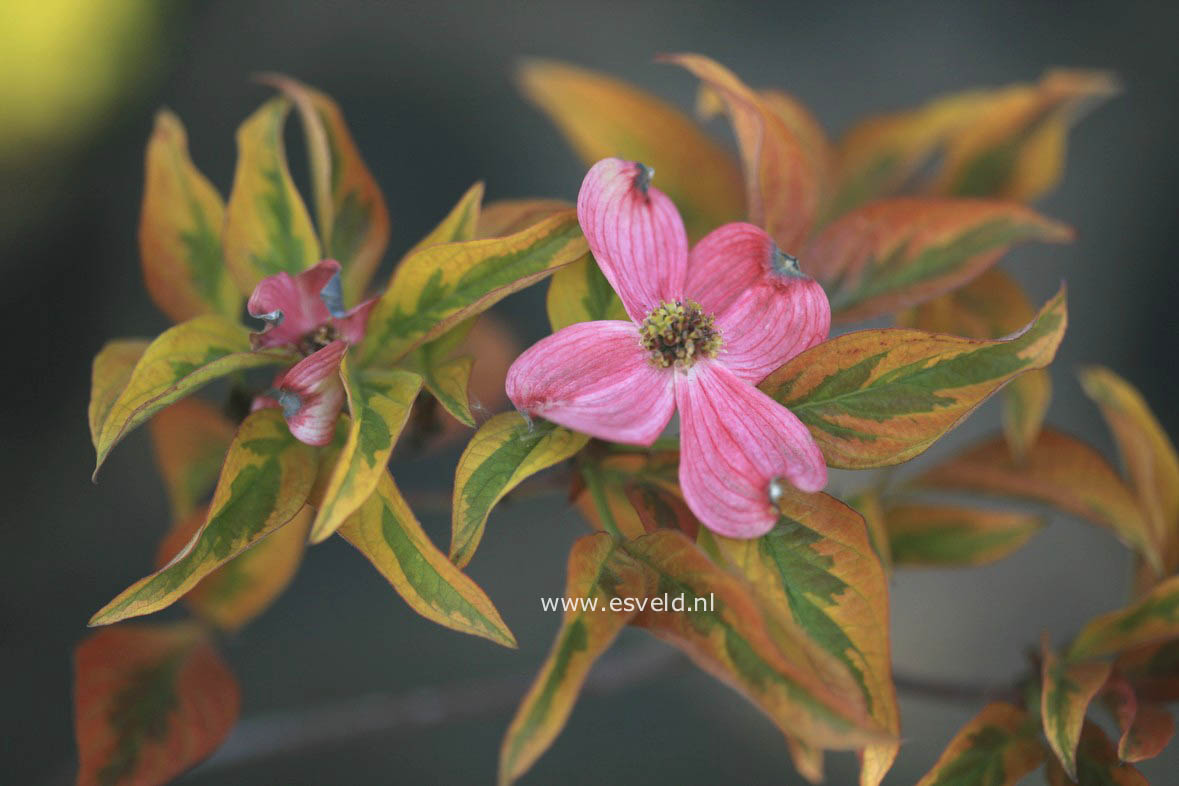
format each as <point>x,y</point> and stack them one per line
<point>706,327</point>
<point>306,312</point>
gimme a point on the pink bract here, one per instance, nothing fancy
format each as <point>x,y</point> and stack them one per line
<point>612,380</point>
<point>306,312</point>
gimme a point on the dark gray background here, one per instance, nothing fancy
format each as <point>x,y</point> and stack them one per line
<point>427,90</point>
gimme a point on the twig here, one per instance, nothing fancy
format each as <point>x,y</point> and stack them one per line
<point>277,734</point>
<point>951,690</point>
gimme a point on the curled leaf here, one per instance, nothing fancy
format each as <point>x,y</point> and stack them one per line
<point>179,362</point>
<point>782,181</point>
<point>1097,762</point>
<point>1067,690</point>
<point>111,370</point>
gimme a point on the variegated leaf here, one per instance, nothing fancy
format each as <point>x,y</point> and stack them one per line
<point>352,216</point>
<point>503,452</point>
<point>387,533</point>
<point>180,231</point>
<point>149,703</point>
<point>179,362</point>
<point>265,481</point>
<point>603,117</point>
<point>267,226</point>
<point>878,397</point>
<point>599,573</point>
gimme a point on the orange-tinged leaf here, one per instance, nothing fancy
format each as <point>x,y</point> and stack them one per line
<point>1151,619</point>
<point>808,759</point>
<point>992,306</point>
<point>899,252</point>
<point>1146,450</point>
<point>782,182</point>
<point>508,216</point>
<point>881,154</point>
<point>149,702</point>
<point>724,631</point>
<point>350,210</point>
<point>267,226</point>
<point>438,287</point>
<point>1146,728</point>
<point>265,481</point>
<point>951,535</point>
<point>868,503</point>
<point>878,397</point>
<point>379,403</point>
<point>180,231</point>
<point>190,439</point>
<point>1066,692</point>
<point>1059,470</point>
<point>997,747</point>
<point>1006,142</point>
<point>1013,148</point>
<point>1097,763</point>
<point>244,587</point>
<point>448,378</point>
<point>502,453</point>
<point>634,493</point>
<point>1153,670</point>
<point>387,533</point>
<point>111,370</point>
<point>807,130</point>
<point>817,569</point>
<point>177,363</point>
<point>599,572</point>
<point>603,117</point>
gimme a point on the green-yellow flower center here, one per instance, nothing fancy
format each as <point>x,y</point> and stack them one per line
<point>318,339</point>
<point>679,334</point>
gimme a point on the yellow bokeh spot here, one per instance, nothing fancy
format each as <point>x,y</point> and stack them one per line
<point>64,63</point>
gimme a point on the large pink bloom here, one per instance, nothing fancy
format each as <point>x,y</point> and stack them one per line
<point>706,327</point>
<point>306,312</point>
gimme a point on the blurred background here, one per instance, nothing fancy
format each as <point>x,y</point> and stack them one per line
<point>427,89</point>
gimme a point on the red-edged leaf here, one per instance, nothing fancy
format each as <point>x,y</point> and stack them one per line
<point>149,702</point>
<point>900,252</point>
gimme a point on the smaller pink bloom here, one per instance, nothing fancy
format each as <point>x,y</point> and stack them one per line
<point>310,395</point>
<point>705,327</point>
<point>306,312</point>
